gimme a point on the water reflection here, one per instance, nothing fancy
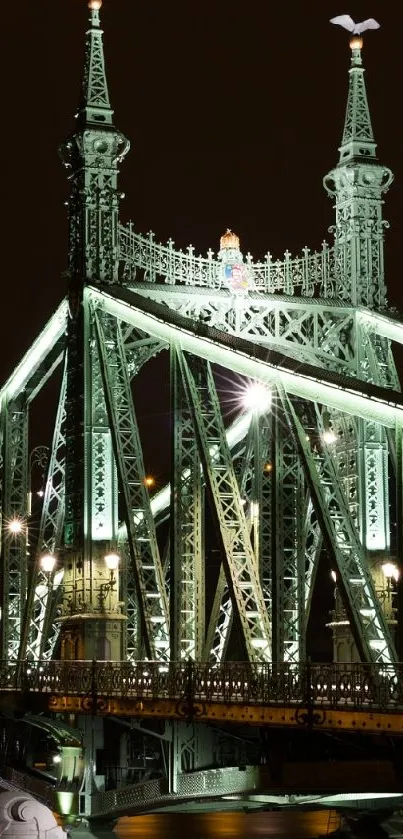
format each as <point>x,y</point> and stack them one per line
<point>229,825</point>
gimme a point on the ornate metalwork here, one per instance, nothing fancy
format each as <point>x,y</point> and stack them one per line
<point>187,515</point>
<point>348,686</point>
<point>219,473</point>
<point>146,563</point>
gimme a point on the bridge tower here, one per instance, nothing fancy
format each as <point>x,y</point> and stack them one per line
<point>303,472</point>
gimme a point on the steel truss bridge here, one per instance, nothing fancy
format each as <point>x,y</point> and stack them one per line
<point>95,574</point>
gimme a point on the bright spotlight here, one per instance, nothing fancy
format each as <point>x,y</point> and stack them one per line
<point>256,398</point>
<point>329,437</point>
<point>15,526</point>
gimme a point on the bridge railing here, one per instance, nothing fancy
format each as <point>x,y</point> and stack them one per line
<point>313,272</point>
<point>331,685</point>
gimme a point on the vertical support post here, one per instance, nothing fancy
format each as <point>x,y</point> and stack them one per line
<point>14,525</point>
<point>187,604</point>
<point>399,537</point>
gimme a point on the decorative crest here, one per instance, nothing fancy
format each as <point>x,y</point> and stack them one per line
<point>355,28</point>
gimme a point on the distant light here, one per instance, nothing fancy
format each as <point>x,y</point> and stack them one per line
<point>333,576</point>
<point>149,481</point>
<point>256,398</point>
<point>329,437</point>
<point>390,571</point>
<point>268,467</point>
<point>47,563</point>
<point>112,561</point>
<point>15,526</point>
<point>95,5</point>
<point>57,758</point>
<point>40,493</point>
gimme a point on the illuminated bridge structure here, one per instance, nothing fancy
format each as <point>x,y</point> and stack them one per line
<point>107,618</point>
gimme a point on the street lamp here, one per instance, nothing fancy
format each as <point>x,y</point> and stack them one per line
<point>47,563</point>
<point>111,561</point>
<point>391,571</point>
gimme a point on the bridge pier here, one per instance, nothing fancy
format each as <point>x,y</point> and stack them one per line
<point>93,742</point>
<point>191,747</point>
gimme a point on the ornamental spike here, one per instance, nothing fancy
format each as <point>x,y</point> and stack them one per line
<point>95,106</point>
<point>358,140</point>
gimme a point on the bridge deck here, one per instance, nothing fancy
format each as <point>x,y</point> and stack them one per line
<point>330,696</point>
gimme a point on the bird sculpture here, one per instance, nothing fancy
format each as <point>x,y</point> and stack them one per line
<point>355,28</point>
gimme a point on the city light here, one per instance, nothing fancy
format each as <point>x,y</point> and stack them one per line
<point>149,481</point>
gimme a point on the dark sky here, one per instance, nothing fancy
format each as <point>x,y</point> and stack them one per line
<point>234,110</point>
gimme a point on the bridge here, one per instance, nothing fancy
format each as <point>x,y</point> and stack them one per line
<point>154,642</point>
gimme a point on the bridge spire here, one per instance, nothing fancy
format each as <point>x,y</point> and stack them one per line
<point>357,183</point>
<point>358,137</point>
<point>95,106</point>
<point>92,156</point>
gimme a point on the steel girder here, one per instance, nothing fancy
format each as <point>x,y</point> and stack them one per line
<point>305,381</point>
<point>368,623</point>
<point>241,566</point>
<point>146,563</point>
<point>320,333</point>
<point>14,518</point>
<point>288,503</point>
<point>39,632</point>
<point>253,471</point>
<point>187,598</point>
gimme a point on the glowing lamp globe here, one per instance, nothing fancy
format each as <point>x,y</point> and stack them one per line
<point>47,563</point>
<point>15,526</point>
<point>95,5</point>
<point>356,43</point>
<point>257,398</point>
<point>112,561</point>
<point>390,570</point>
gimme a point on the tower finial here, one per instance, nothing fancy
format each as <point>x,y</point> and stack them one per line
<point>95,106</point>
<point>358,138</point>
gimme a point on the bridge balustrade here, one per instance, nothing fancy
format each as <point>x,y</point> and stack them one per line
<point>352,686</point>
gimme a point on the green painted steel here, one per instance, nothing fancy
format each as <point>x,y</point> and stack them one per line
<point>313,328</point>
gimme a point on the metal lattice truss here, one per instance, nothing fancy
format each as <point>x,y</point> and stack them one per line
<point>272,523</point>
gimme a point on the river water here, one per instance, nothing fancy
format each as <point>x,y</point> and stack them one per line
<point>229,825</point>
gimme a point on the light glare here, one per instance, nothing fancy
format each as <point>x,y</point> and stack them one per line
<point>257,398</point>
<point>15,526</point>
